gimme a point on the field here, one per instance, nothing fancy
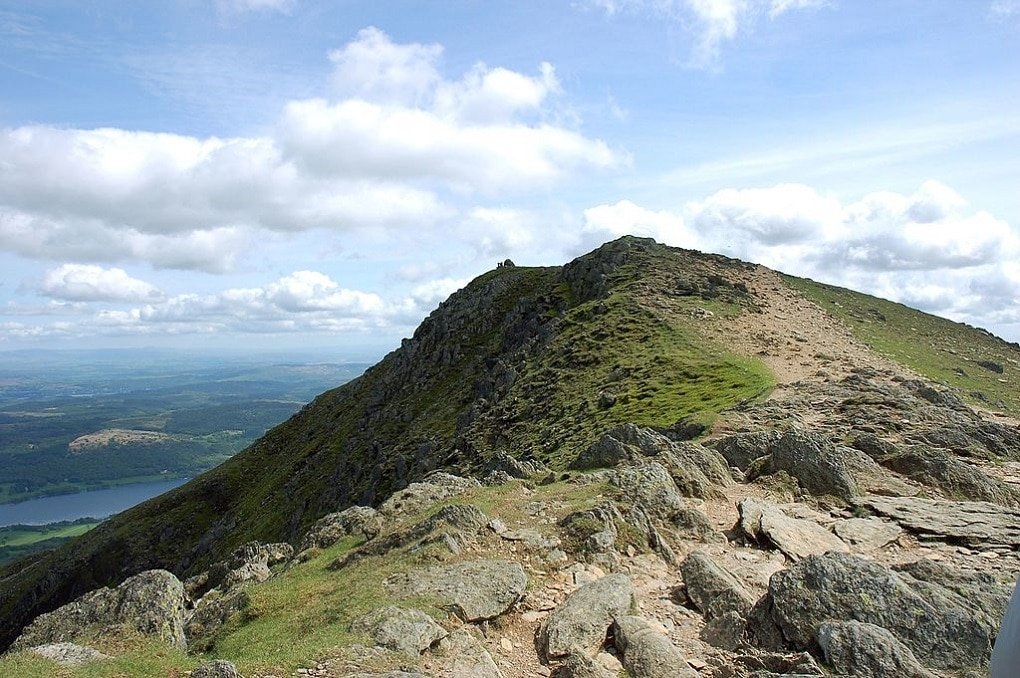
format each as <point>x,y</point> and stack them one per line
<point>89,420</point>
<point>17,541</point>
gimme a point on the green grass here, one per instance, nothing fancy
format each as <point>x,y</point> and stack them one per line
<point>17,541</point>
<point>940,350</point>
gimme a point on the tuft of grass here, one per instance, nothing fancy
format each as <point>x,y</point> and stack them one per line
<point>941,350</point>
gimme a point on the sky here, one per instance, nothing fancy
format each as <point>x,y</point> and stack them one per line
<point>296,174</point>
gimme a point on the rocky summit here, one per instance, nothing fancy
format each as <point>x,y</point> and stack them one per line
<point>647,462</point>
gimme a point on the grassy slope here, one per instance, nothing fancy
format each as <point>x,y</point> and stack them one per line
<point>939,349</point>
<point>305,614</point>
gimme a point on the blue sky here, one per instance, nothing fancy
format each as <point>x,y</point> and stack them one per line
<point>294,173</point>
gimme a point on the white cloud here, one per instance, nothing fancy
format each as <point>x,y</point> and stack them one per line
<point>80,282</point>
<point>395,154</point>
<point>711,23</point>
<point>929,249</point>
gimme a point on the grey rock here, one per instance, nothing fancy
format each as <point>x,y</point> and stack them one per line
<point>650,486</point>
<point>713,590</point>
<point>581,665</point>
<point>150,603</point>
<point>725,631</point>
<point>251,562</point>
<point>362,521</point>
<point>211,613</point>
<point>868,534</point>
<point>938,625</point>
<point>68,654</point>
<point>501,462</point>
<point>582,620</point>
<point>433,489</point>
<point>796,537</point>
<point>474,591</point>
<point>960,480</point>
<point>977,524</point>
<point>741,449</point>
<point>647,654</point>
<point>400,629</point>
<point>218,668</point>
<point>984,596</point>
<point>467,657</point>
<point>860,649</point>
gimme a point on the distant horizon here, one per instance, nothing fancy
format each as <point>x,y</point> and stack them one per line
<point>288,173</point>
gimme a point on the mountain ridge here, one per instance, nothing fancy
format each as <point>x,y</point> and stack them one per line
<point>530,363</point>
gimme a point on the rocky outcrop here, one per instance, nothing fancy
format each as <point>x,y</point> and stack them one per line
<point>958,479</point>
<point>362,521</point>
<point>797,538</point>
<point>217,668</point>
<point>647,654</point>
<point>210,614</point>
<point>475,590</point>
<point>466,657</point>
<point>977,524</point>
<point>408,631</point>
<point>150,603</point>
<point>433,489</point>
<point>68,654</point>
<point>580,623</point>
<point>252,562</point>
<point>855,648</point>
<point>723,600</point>
<point>867,534</point>
<point>937,624</point>
<point>741,449</point>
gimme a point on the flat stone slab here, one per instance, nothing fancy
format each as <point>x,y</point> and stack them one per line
<point>868,534</point>
<point>977,524</point>
<point>797,538</point>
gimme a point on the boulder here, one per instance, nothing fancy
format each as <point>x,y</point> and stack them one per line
<point>938,625</point>
<point>581,665</point>
<point>362,521</point>
<point>796,537</point>
<point>977,524</point>
<point>855,648</point>
<point>150,603</point>
<point>400,629</point>
<point>475,590</point>
<point>251,562</point>
<point>433,489</point>
<point>958,479</point>
<point>211,613</point>
<point>68,654</point>
<point>713,590</point>
<point>647,654</point>
<point>740,449</point>
<point>583,619</point>
<point>466,657</point>
<point>218,668</point>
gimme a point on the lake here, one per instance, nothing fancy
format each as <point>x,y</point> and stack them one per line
<point>95,504</point>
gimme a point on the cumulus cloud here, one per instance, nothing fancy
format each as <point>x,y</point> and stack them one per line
<point>80,282</point>
<point>929,249</point>
<point>394,151</point>
<point>711,23</point>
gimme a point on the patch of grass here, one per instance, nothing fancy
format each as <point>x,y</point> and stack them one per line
<point>132,657</point>
<point>941,350</point>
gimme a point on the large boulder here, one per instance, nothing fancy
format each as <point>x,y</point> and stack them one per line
<point>855,648</point>
<point>581,622</point>
<point>400,629</point>
<point>362,521</point>
<point>713,590</point>
<point>942,628</point>
<point>150,603</point>
<point>958,479</point>
<point>475,590</point>
<point>740,449</point>
<point>647,654</point>
<point>650,486</point>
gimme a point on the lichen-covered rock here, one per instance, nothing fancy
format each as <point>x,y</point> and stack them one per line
<point>464,656</point>
<point>150,603</point>
<point>581,665</point>
<point>978,524</point>
<point>713,590</point>
<point>855,648</point>
<point>820,467</point>
<point>580,623</point>
<point>647,654</point>
<point>217,668</point>
<point>211,613</point>
<point>475,590</point>
<point>68,654</point>
<point>433,489</point>
<point>400,629</point>
<point>740,449</point>
<point>362,521</point>
<point>251,562</point>
<point>958,479</point>
<point>867,534</point>
<point>941,628</point>
<point>650,486</point>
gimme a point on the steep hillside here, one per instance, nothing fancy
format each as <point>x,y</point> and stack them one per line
<point>534,362</point>
<point>746,461</point>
